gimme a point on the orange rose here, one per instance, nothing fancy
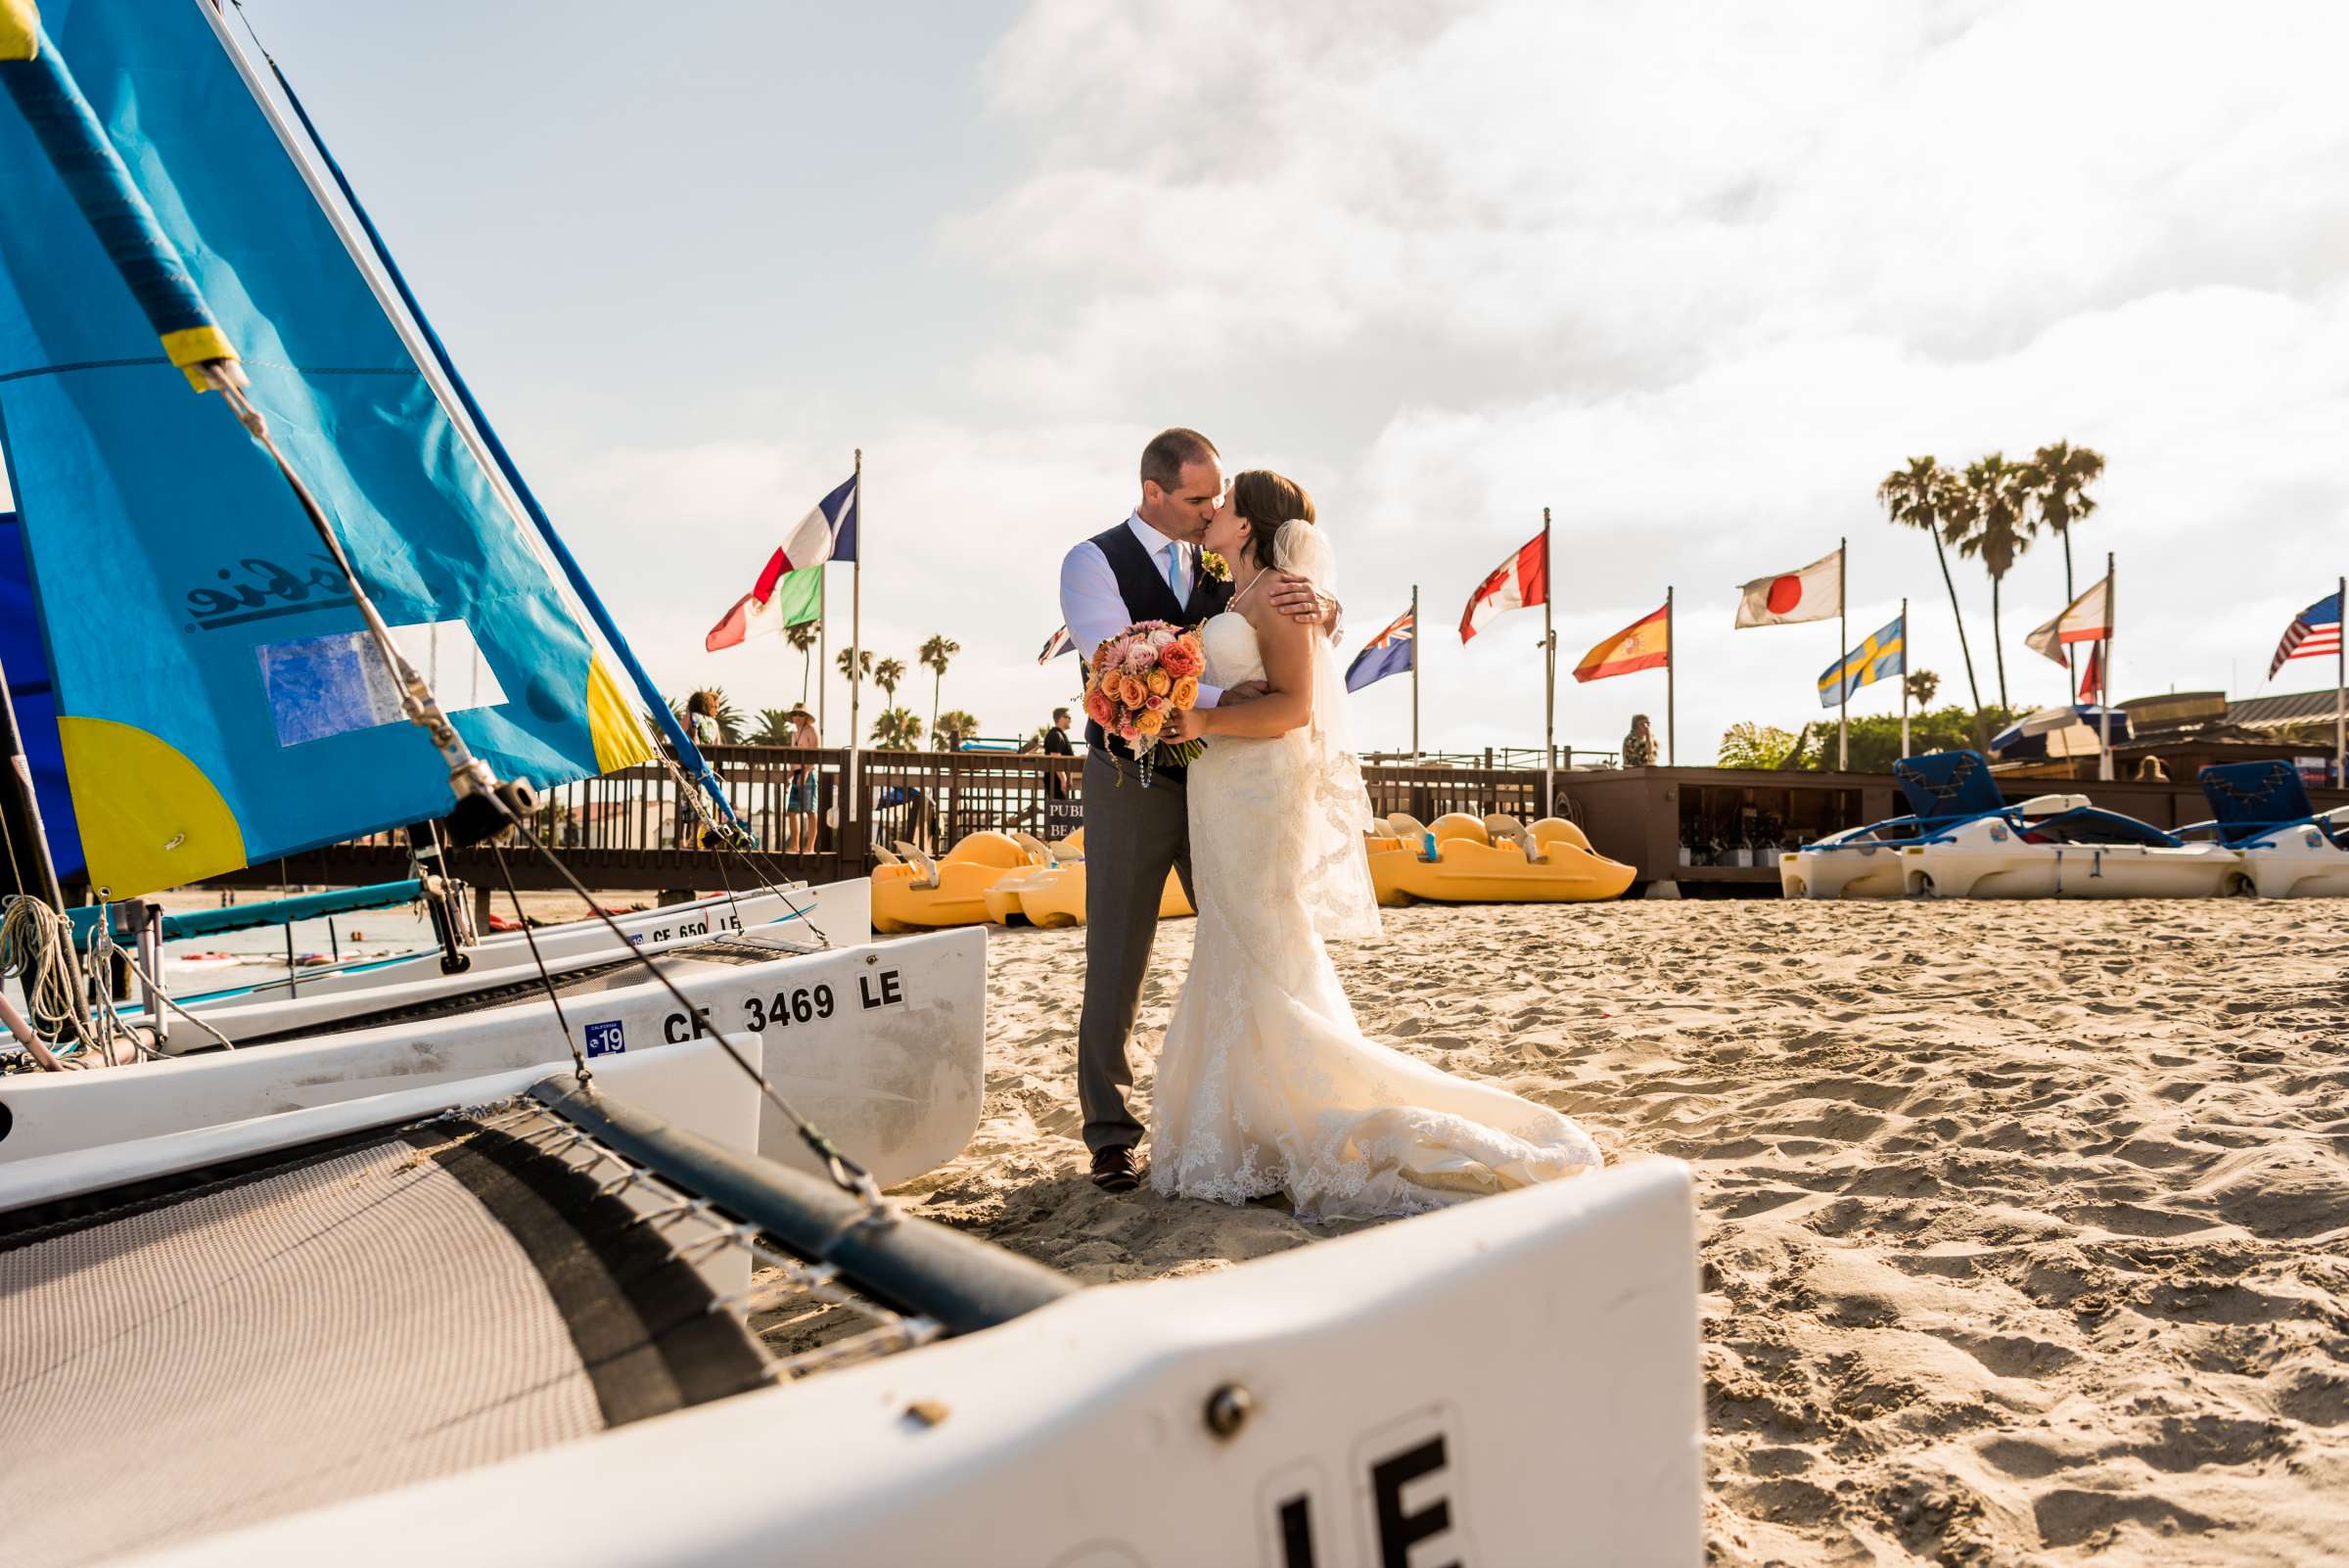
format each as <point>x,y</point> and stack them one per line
<point>1159,682</point>
<point>1186,692</point>
<point>1182,656</point>
<point>1100,707</point>
<point>1149,723</point>
<point>1130,690</point>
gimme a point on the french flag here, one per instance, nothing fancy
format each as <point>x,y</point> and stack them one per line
<point>1519,584</point>
<point>1389,653</point>
<point>828,533</point>
<point>1060,642</point>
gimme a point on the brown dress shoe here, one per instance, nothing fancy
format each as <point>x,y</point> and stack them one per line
<point>1113,1170</point>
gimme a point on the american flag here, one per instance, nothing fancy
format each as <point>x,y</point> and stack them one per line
<point>1060,642</point>
<point>2315,630</point>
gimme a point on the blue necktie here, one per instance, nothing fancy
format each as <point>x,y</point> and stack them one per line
<point>1174,574</point>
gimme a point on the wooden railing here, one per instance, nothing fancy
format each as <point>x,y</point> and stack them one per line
<point>623,830</point>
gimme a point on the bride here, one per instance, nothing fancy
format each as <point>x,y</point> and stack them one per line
<point>1265,1083</point>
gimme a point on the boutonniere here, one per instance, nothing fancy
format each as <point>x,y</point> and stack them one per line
<point>1215,566</point>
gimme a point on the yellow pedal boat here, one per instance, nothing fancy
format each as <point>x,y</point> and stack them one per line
<point>913,893</point>
<point>1053,894</point>
<point>1495,860</point>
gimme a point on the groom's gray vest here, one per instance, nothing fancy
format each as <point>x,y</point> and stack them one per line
<point>1148,598</point>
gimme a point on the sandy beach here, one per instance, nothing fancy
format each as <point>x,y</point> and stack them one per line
<point>2022,1224</point>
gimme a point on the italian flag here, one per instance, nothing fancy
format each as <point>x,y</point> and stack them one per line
<point>790,590</point>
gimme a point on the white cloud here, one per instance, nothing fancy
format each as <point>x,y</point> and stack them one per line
<point>1697,277</point>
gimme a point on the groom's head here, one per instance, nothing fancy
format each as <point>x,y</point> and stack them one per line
<point>1182,484</point>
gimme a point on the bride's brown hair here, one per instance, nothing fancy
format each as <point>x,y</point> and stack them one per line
<point>1267,500</point>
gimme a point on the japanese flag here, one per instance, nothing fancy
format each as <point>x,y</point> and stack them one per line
<point>1813,593</point>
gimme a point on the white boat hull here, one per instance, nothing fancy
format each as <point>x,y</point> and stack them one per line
<point>880,1046</point>
<point>841,910</point>
<point>1863,871</point>
<point>1511,1381</point>
<point>1986,860</point>
<point>2298,863</point>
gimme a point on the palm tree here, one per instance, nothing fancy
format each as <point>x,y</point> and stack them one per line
<point>775,727</point>
<point>887,674</point>
<point>897,729</point>
<point>933,657</point>
<point>850,664</point>
<point>1922,684</point>
<point>802,637</point>
<point>1995,528</point>
<point>1921,496</point>
<point>2055,481</point>
<point>949,729</point>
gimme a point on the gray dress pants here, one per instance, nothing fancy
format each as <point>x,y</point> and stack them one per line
<point>1132,836</point>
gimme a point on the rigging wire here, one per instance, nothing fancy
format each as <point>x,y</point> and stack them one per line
<point>845,1172</point>
<point>578,1061</point>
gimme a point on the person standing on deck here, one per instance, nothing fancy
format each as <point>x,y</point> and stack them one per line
<point>1057,743</point>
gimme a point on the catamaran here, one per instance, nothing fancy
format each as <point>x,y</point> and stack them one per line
<point>331,607</point>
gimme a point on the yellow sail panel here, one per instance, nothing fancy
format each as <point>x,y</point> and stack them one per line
<point>148,818</point>
<point>619,739</point>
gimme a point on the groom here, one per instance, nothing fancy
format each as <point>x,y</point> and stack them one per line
<point>1147,568</point>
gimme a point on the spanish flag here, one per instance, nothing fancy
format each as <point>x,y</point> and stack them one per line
<point>1645,644</point>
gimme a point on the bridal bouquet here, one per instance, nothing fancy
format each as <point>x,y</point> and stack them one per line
<point>1140,677</point>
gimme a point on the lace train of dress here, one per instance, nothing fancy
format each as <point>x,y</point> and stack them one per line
<point>1265,1083</point>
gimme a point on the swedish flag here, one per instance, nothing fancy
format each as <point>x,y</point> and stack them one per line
<point>1883,655</point>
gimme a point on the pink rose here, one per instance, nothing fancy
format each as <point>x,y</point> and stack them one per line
<point>1141,655</point>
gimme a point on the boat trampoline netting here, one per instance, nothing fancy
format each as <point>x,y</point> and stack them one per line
<point>202,1352</point>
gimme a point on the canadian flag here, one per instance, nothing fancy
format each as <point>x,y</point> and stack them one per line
<point>828,533</point>
<point>1519,584</point>
<point>1812,593</point>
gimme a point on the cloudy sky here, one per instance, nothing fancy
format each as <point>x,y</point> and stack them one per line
<point>1693,276</point>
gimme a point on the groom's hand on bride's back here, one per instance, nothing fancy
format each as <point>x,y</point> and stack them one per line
<point>1297,598</point>
<point>1247,691</point>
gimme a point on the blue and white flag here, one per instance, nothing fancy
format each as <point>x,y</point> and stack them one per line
<point>1884,655</point>
<point>1060,642</point>
<point>2314,632</point>
<point>1389,653</point>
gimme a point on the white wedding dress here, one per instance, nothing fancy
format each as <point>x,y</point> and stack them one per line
<point>1266,1085</point>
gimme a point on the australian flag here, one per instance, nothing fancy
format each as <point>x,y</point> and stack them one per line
<point>1060,642</point>
<point>1389,653</point>
<point>2315,630</point>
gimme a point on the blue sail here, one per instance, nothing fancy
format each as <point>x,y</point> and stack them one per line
<point>218,705</point>
<point>25,662</point>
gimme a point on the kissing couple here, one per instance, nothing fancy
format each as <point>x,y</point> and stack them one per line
<point>1266,1085</point>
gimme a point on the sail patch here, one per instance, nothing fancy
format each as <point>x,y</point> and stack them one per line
<point>333,684</point>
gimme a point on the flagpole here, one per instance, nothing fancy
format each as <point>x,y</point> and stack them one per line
<point>1549,676</point>
<point>2340,691</point>
<point>1414,671</point>
<point>2104,673</point>
<point>1671,674</point>
<point>823,656</point>
<point>1843,683</point>
<point>1904,676</point>
<point>856,812</point>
